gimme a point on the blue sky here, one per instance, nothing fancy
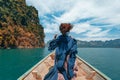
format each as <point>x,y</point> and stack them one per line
<point>92,19</point>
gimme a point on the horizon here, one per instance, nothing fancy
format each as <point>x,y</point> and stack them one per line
<point>92,20</point>
<point>92,40</point>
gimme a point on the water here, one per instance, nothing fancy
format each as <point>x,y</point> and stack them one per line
<point>107,60</point>
<point>15,62</point>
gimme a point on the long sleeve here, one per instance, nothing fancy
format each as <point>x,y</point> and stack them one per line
<point>53,44</point>
<point>72,57</point>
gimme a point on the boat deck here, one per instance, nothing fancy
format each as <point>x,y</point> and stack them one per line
<point>84,71</point>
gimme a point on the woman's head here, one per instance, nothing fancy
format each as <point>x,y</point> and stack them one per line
<point>65,27</point>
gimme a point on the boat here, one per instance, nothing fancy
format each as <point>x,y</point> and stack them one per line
<point>85,70</point>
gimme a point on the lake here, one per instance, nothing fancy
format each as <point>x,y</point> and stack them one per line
<point>15,62</point>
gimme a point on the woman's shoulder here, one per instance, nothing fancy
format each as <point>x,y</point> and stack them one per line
<point>59,36</point>
<point>74,41</point>
<point>73,38</point>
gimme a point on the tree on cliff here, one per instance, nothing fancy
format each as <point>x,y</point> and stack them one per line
<point>19,25</point>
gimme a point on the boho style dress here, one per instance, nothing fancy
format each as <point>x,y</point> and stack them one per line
<point>64,45</point>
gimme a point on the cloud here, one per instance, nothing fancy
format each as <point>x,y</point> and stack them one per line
<point>89,31</point>
<point>104,11</point>
<point>51,28</point>
<point>50,6</point>
<point>80,28</point>
<point>91,18</point>
<point>76,12</point>
<point>97,32</point>
<point>107,11</point>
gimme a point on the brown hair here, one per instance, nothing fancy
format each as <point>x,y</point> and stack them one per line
<point>67,25</point>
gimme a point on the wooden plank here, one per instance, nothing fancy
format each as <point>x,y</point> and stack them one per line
<point>85,70</point>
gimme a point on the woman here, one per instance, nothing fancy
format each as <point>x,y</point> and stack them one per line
<point>65,54</point>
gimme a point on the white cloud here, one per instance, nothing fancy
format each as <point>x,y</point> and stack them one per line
<point>50,6</point>
<point>103,12</point>
<point>80,28</point>
<point>89,31</point>
<point>97,32</point>
<point>51,28</point>
<point>78,9</point>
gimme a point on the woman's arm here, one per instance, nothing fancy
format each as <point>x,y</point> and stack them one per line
<point>53,43</point>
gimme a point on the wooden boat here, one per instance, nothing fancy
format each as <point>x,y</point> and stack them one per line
<point>85,70</point>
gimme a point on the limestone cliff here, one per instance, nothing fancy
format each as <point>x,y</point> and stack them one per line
<point>19,25</point>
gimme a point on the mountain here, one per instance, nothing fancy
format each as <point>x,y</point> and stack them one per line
<point>100,44</point>
<point>96,44</point>
<point>19,25</point>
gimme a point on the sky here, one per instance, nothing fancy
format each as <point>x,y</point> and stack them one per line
<point>92,19</point>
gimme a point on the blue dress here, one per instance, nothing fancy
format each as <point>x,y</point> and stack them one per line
<point>64,45</point>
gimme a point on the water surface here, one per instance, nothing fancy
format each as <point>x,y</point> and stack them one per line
<point>15,62</point>
<point>107,60</point>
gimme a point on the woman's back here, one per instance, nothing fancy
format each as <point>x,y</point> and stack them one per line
<point>65,46</point>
